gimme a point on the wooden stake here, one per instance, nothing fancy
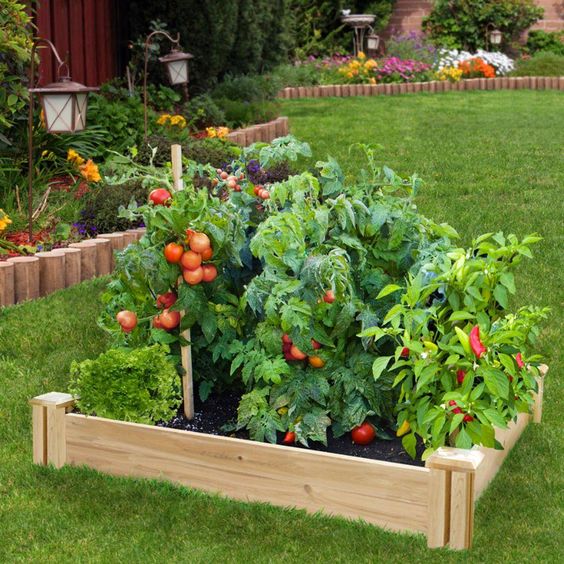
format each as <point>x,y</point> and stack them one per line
<point>185,352</point>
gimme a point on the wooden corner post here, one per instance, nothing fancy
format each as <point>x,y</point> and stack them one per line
<point>49,442</point>
<point>451,497</point>
<point>537,406</point>
<point>185,352</point>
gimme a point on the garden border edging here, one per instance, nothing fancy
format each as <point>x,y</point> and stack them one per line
<point>437,500</point>
<point>497,83</point>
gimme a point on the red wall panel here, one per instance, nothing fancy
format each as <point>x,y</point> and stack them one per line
<point>82,30</point>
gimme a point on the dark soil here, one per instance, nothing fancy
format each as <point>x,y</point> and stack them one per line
<point>220,409</point>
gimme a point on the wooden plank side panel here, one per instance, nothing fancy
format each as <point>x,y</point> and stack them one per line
<point>76,40</point>
<point>43,22</point>
<point>390,495</point>
<point>91,71</point>
<point>60,28</point>
<point>493,459</point>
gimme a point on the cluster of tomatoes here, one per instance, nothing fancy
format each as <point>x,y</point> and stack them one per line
<point>231,181</point>
<point>192,260</point>
<point>293,353</point>
<point>261,192</point>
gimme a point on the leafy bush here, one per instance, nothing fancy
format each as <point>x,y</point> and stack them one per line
<point>205,151</point>
<point>465,25</point>
<point>411,46</point>
<point>336,303</point>
<point>239,114</point>
<point>539,40</point>
<point>202,112</point>
<point>139,385</point>
<point>541,64</point>
<point>246,88</point>
<point>99,213</point>
<point>15,46</point>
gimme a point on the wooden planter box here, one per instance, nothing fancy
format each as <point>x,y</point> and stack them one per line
<point>437,500</point>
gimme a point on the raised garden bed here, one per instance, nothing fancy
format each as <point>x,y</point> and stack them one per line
<point>498,83</point>
<point>437,500</point>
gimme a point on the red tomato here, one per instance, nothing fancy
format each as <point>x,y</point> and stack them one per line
<point>264,194</point>
<point>191,260</point>
<point>316,362</point>
<point>329,297</point>
<point>316,346</point>
<point>160,197</point>
<point>363,434</point>
<point>286,347</point>
<point>288,355</point>
<point>289,438</point>
<point>237,187</point>
<point>199,242</point>
<point>157,322</point>
<point>127,320</point>
<point>193,277</point>
<point>173,252</point>
<point>297,353</point>
<point>286,339</point>
<point>231,184</point>
<point>223,175</point>
<point>207,254</point>
<point>169,319</point>
<point>257,189</point>
<point>166,300</point>
<point>210,272</point>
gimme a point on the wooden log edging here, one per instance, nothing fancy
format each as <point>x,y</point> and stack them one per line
<point>497,83</point>
<point>265,132</point>
<point>30,277</point>
<point>437,500</point>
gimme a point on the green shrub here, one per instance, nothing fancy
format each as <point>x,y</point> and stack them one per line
<point>541,64</point>
<point>303,74</point>
<point>539,40</point>
<point>139,385</point>
<point>461,24</point>
<point>240,114</point>
<point>202,111</point>
<point>15,46</point>
<point>205,151</point>
<point>99,213</point>
<point>246,88</point>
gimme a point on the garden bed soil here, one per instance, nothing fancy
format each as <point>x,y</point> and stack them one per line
<point>221,409</point>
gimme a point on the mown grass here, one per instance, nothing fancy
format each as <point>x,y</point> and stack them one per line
<point>491,161</point>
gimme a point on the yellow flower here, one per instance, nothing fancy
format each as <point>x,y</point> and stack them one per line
<point>4,220</point>
<point>163,119</point>
<point>90,172</point>
<point>211,132</point>
<point>372,80</point>
<point>74,158</point>
<point>361,55</point>
<point>178,120</point>
<point>349,74</point>
<point>222,132</point>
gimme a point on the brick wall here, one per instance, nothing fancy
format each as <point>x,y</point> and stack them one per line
<point>408,15</point>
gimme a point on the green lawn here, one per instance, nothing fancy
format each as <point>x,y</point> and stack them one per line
<point>492,161</point>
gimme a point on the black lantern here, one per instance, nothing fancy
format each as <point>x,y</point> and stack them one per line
<point>64,105</point>
<point>495,37</point>
<point>64,109</point>
<point>176,63</point>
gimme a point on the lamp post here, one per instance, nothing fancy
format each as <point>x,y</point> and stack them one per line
<point>372,41</point>
<point>176,64</point>
<point>64,106</point>
<point>493,35</point>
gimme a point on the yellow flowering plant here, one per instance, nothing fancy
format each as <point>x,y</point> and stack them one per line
<point>4,220</point>
<point>217,132</point>
<point>452,74</point>
<point>87,168</point>
<point>359,70</point>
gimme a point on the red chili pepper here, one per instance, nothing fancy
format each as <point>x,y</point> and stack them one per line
<point>519,360</point>
<point>404,352</point>
<point>290,438</point>
<point>468,418</point>
<point>477,347</point>
<point>460,375</point>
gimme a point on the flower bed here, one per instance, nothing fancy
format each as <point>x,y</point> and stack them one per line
<point>437,500</point>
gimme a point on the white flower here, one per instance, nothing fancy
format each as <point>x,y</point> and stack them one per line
<point>451,57</point>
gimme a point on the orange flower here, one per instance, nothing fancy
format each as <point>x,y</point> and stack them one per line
<point>90,172</point>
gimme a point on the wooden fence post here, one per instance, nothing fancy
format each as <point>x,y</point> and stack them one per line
<point>451,497</point>
<point>537,407</point>
<point>49,441</point>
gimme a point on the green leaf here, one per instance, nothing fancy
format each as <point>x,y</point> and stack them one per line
<point>496,382</point>
<point>456,421</point>
<point>508,280</point>
<point>379,366</point>
<point>409,442</point>
<point>389,289</point>
<point>495,418</point>
<point>461,315</point>
<point>463,440</point>
<point>500,294</point>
